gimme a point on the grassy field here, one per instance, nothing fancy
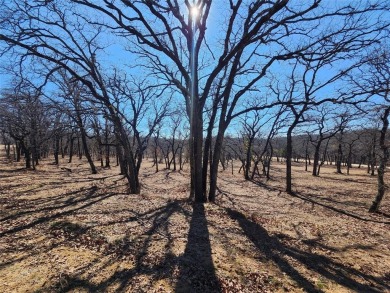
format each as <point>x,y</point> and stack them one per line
<point>66,231</point>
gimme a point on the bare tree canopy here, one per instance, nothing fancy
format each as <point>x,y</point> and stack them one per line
<point>218,61</point>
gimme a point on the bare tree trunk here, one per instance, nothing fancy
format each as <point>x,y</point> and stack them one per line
<point>56,149</point>
<point>288,160</point>
<point>96,126</point>
<point>255,168</point>
<point>173,154</point>
<point>339,159</point>
<point>382,165</point>
<point>156,159</point>
<point>196,156</point>
<point>8,150</point>
<point>34,151</point>
<point>324,156</point>
<point>269,160</point>
<point>248,160</point>
<point>107,148</point>
<point>86,150</point>
<point>181,158</point>
<point>128,165</point>
<point>214,165</point>
<point>71,148</point>
<point>27,154</point>
<point>207,156</point>
<point>80,151</point>
<point>316,158</point>
<point>349,159</point>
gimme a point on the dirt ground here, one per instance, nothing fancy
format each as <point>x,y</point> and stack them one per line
<point>64,231</point>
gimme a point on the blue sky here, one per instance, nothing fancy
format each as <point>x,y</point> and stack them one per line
<point>115,54</point>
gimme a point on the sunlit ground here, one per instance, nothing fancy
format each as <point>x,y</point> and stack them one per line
<point>76,232</point>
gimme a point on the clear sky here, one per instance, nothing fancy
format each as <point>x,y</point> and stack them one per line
<point>115,54</point>
<point>4,80</point>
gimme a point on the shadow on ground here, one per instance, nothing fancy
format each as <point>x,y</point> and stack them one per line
<point>274,248</point>
<point>192,271</point>
<point>137,262</point>
<point>197,272</point>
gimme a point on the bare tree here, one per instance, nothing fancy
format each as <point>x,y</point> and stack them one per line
<point>376,76</point>
<point>156,148</point>
<point>148,106</point>
<point>174,45</point>
<point>326,132</point>
<point>383,158</point>
<point>27,120</point>
<point>353,138</point>
<point>171,41</point>
<point>175,140</point>
<point>77,108</point>
<point>251,127</point>
<point>7,141</point>
<point>303,92</point>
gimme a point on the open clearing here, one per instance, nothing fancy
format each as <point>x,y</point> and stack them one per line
<point>66,231</point>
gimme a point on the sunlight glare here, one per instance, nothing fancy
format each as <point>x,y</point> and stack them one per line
<point>194,12</point>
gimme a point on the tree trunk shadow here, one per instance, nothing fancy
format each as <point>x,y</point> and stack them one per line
<point>309,198</point>
<point>273,248</point>
<point>197,272</point>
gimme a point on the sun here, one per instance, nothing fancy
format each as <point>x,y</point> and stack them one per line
<point>194,12</point>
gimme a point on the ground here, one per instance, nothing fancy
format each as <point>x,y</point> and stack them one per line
<point>63,231</point>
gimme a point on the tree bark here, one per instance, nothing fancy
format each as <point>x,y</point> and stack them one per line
<point>214,165</point>
<point>107,147</point>
<point>156,159</point>
<point>27,154</point>
<point>206,155</point>
<point>56,149</point>
<point>288,160</point>
<point>128,164</point>
<point>197,153</point>
<point>289,148</point>
<point>316,158</point>
<point>86,150</point>
<point>269,161</point>
<point>382,164</point>
<point>80,151</point>
<point>248,159</point>
<point>339,159</point>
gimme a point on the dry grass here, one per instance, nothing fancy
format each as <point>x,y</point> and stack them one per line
<point>77,232</point>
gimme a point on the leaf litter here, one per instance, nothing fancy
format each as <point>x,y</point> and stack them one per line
<point>78,232</point>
